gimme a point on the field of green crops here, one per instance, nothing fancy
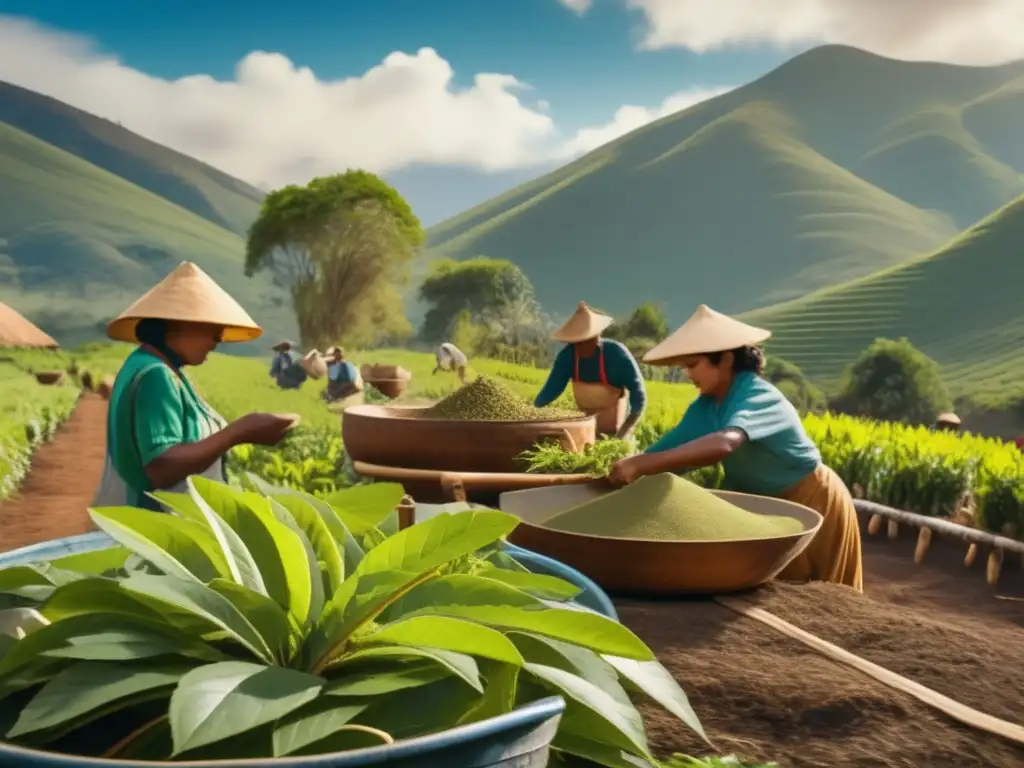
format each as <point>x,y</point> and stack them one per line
<point>29,415</point>
<point>904,467</point>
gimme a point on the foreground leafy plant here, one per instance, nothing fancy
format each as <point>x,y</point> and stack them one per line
<point>268,622</point>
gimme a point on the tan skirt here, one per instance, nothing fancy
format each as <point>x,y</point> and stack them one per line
<point>834,554</point>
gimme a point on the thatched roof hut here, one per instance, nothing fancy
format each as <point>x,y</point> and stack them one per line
<point>16,331</point>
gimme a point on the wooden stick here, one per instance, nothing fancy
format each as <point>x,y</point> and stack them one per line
<point>995,567</point>
<point>971,556</point>
<point>942,527</point>
<point>893,529</point>
<point>875,524</point>
<point>924,540</point>
<point>944,704</point>
<point>406,513</point>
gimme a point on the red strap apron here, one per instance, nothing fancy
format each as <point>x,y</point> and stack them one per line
<point>606,402</point>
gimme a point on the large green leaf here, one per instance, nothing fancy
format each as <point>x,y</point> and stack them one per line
<point>264,614</point>
<point>218,701</point>
<point>499,694</point>
<point>242,566</point>
<point>366,506</point>
<point>447,634</point>
<point>438,541</point>
<point>380,681</point>
<point>429,709</point>
<point>627,727</point>
<point>95,562</point>
<point>651,678</point>
<point>537,649</point>
<point>323,542</point>
<point>90,689</point>
<point>458,664</point>
<point>276,550</point>
<point>313,563</point>
<point>538,584</point>
<point>129,642</point>
<point>181,504</point>
<point>203,603</point>
<point>176,546</point>
<point>314,722</point>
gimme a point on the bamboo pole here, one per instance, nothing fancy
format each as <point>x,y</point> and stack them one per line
<point>942,527</point>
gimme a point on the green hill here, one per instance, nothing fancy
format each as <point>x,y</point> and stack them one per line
<point>961,305</point>
<point>182,180</point>
<point>78,243</point>
<point>831,167</point>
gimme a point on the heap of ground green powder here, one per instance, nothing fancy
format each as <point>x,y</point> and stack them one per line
<point>668,508</point>
<point>485,399</point>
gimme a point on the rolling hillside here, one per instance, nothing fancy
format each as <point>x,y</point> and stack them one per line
<point>79,243</point>
<point>961,305</point>
<point>835,165</point>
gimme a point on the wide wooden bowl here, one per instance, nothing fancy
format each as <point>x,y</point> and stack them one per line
<point>49,377</point>
<point>393,436</point>
<point>389,387</point>
<point>646,566</point>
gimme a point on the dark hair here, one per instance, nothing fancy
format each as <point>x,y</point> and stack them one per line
<point>744,359</point>
<point>152,331</point>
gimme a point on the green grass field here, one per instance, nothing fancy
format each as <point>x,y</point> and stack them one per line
<point>960,305</point>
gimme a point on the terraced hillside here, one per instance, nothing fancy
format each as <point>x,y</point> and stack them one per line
<point>78,243</point>
<point>835,165</point>
<point>961,305</point>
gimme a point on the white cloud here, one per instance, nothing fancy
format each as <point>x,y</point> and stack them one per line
<point>630,117</point>
<point>957,31</point>
<point>577,6</point>
<point>276,123</point>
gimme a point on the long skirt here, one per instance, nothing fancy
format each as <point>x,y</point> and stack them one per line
<point>834,553</point>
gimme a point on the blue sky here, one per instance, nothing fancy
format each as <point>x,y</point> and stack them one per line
<point>451,100</point>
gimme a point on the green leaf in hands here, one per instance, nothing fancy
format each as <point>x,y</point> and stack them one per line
<point>447,634</point>
<point>176,546</point>
<point>89,689</point>
<point>218,701</point>
<point>652,679</point>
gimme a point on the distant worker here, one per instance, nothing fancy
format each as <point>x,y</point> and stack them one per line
<point>451,358</point>
<point>947,422</point>
<point>286,369</point>
<point>743,421</point>
<point>604,374</point>
<point>343,378</point>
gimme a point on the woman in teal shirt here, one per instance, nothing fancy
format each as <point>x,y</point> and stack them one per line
<point>159,430</point>
<point>747,424</point>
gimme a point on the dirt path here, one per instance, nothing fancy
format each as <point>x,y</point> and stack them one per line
<point>60,486</point>
<point>765,696</point>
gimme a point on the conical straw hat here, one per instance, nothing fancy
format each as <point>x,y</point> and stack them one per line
<point>16,331</point>
<point>584,324</point>
<point>706,331</point>
<point>948,418</point>
<point>189,295</point>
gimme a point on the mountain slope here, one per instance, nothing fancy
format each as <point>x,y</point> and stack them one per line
<point>78,244</point>
<point>960,305</point>
<point>193,185</point>
<point>754,196</point>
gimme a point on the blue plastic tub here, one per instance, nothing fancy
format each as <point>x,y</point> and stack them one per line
<point>520,739</point>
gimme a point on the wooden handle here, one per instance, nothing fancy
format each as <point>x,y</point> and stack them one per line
<point>564,438</point>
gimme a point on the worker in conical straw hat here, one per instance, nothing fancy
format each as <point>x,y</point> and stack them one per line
<point>286,367</point>
<point>947,422</point>
<point>343,378</point>
<point>744,422</point>
<point>606,380</point>
<point>159,430</point>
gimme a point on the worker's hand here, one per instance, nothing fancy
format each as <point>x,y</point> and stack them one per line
<point>626,471</point>
<point>262,428</point>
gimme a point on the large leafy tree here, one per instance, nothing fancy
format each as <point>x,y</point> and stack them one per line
<point>342,246</point>
<point>481,286</point>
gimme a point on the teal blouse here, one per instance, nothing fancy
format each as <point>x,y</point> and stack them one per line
<point>778,453</point>
<point>152,409</point>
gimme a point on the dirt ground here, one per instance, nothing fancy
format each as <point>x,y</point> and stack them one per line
<point>765,696</point>
<point>60,486</point>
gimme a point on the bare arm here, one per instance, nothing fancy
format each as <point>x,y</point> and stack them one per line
<point>702,452</point>
<point>179,461</point>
